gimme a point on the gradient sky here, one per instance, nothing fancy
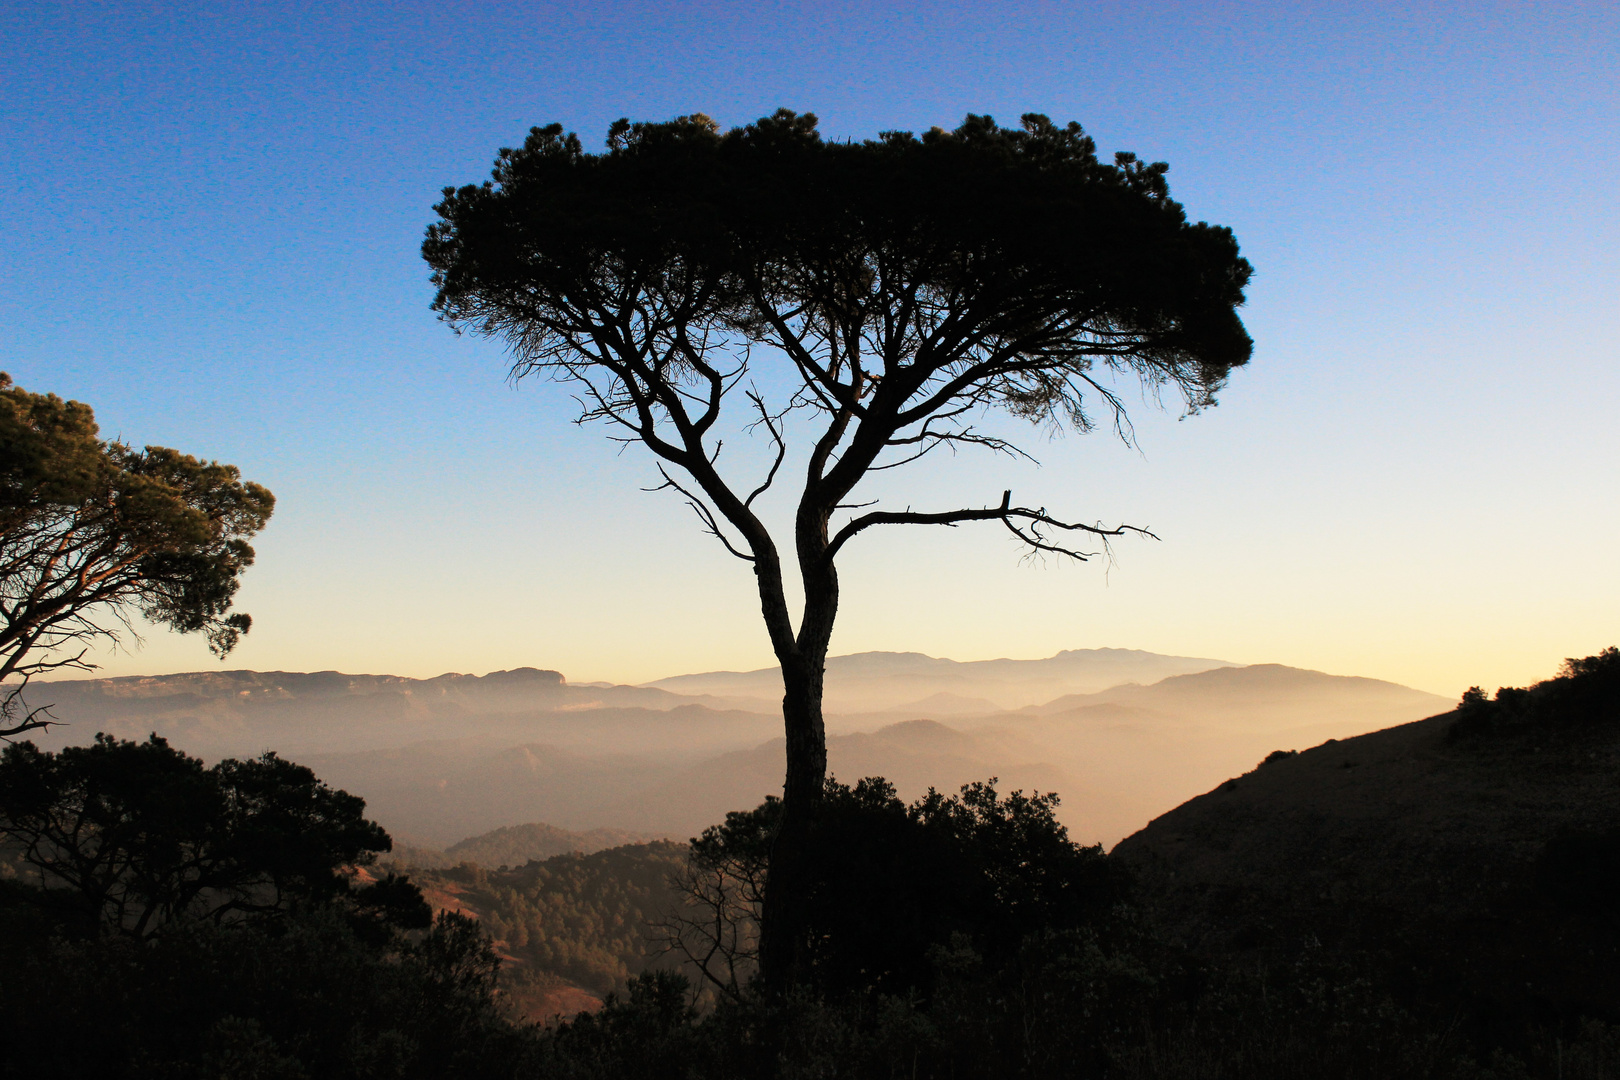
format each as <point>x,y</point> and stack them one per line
<point>212,229</point>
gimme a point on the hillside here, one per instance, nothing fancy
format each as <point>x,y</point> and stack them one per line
<point>570,928</point>
<point>1483,868</point>
<point>514,845</point>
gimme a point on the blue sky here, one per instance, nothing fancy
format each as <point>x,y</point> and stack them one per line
<point>215,210</point>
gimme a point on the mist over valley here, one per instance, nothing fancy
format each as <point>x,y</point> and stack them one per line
<point>1122,735</point>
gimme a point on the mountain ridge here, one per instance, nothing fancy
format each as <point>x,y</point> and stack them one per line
<point>876,681</point>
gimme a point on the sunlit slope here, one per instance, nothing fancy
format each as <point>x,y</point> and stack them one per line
<point>512,845</point>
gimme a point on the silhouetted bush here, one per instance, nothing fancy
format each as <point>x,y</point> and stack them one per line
<point>162,919</point>
<point>888,883</point>
<point>304,997</point>
<point>130,838</point>
<point>1585,693</point>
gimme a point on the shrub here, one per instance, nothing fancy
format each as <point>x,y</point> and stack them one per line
<point>889,882</point>
<point>1585,693</point>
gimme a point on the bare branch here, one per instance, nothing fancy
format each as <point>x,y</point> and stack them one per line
<point>772,423</point>
<point>1027,524</point>
<point>930,440</point>
<point>710,524</point>
<point>15,715</point>
<point>716,927</point>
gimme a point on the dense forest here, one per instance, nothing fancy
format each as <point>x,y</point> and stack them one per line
<point>581,919</point>
<point>170,919</point>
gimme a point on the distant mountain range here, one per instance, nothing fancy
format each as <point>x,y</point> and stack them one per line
<point>243,712</point>
<point>1122,735</point>
<point>1117,757</point>
<point>888,681</point>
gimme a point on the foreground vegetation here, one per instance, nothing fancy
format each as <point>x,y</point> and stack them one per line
<point>961,936</point>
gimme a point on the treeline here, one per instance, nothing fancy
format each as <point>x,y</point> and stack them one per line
<point>1584,694</point>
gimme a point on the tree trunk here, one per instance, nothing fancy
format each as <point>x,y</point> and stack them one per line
<point>789,876</point>
<point>786,908</point>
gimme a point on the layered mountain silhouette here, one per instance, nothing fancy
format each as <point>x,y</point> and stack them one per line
<point>884,681</point>
<point>442,759</point>
<point>1117,758</point>
<point>243,712</point>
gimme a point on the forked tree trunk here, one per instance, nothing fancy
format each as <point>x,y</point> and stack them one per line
<point>785,915</point>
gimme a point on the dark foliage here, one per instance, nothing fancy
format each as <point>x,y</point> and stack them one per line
<point>306,996</point>
<point>651,1031</point>
<point>1585,693</point>
<point>961,937</point>
<point>1076,1004</point>
<point>889,883</point>
<point>1579,871</point>
<point>957,937</point>
<point>1023,232</point>
<point>974,865</point>
<point>163,919</point>
<point>130,838</point>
